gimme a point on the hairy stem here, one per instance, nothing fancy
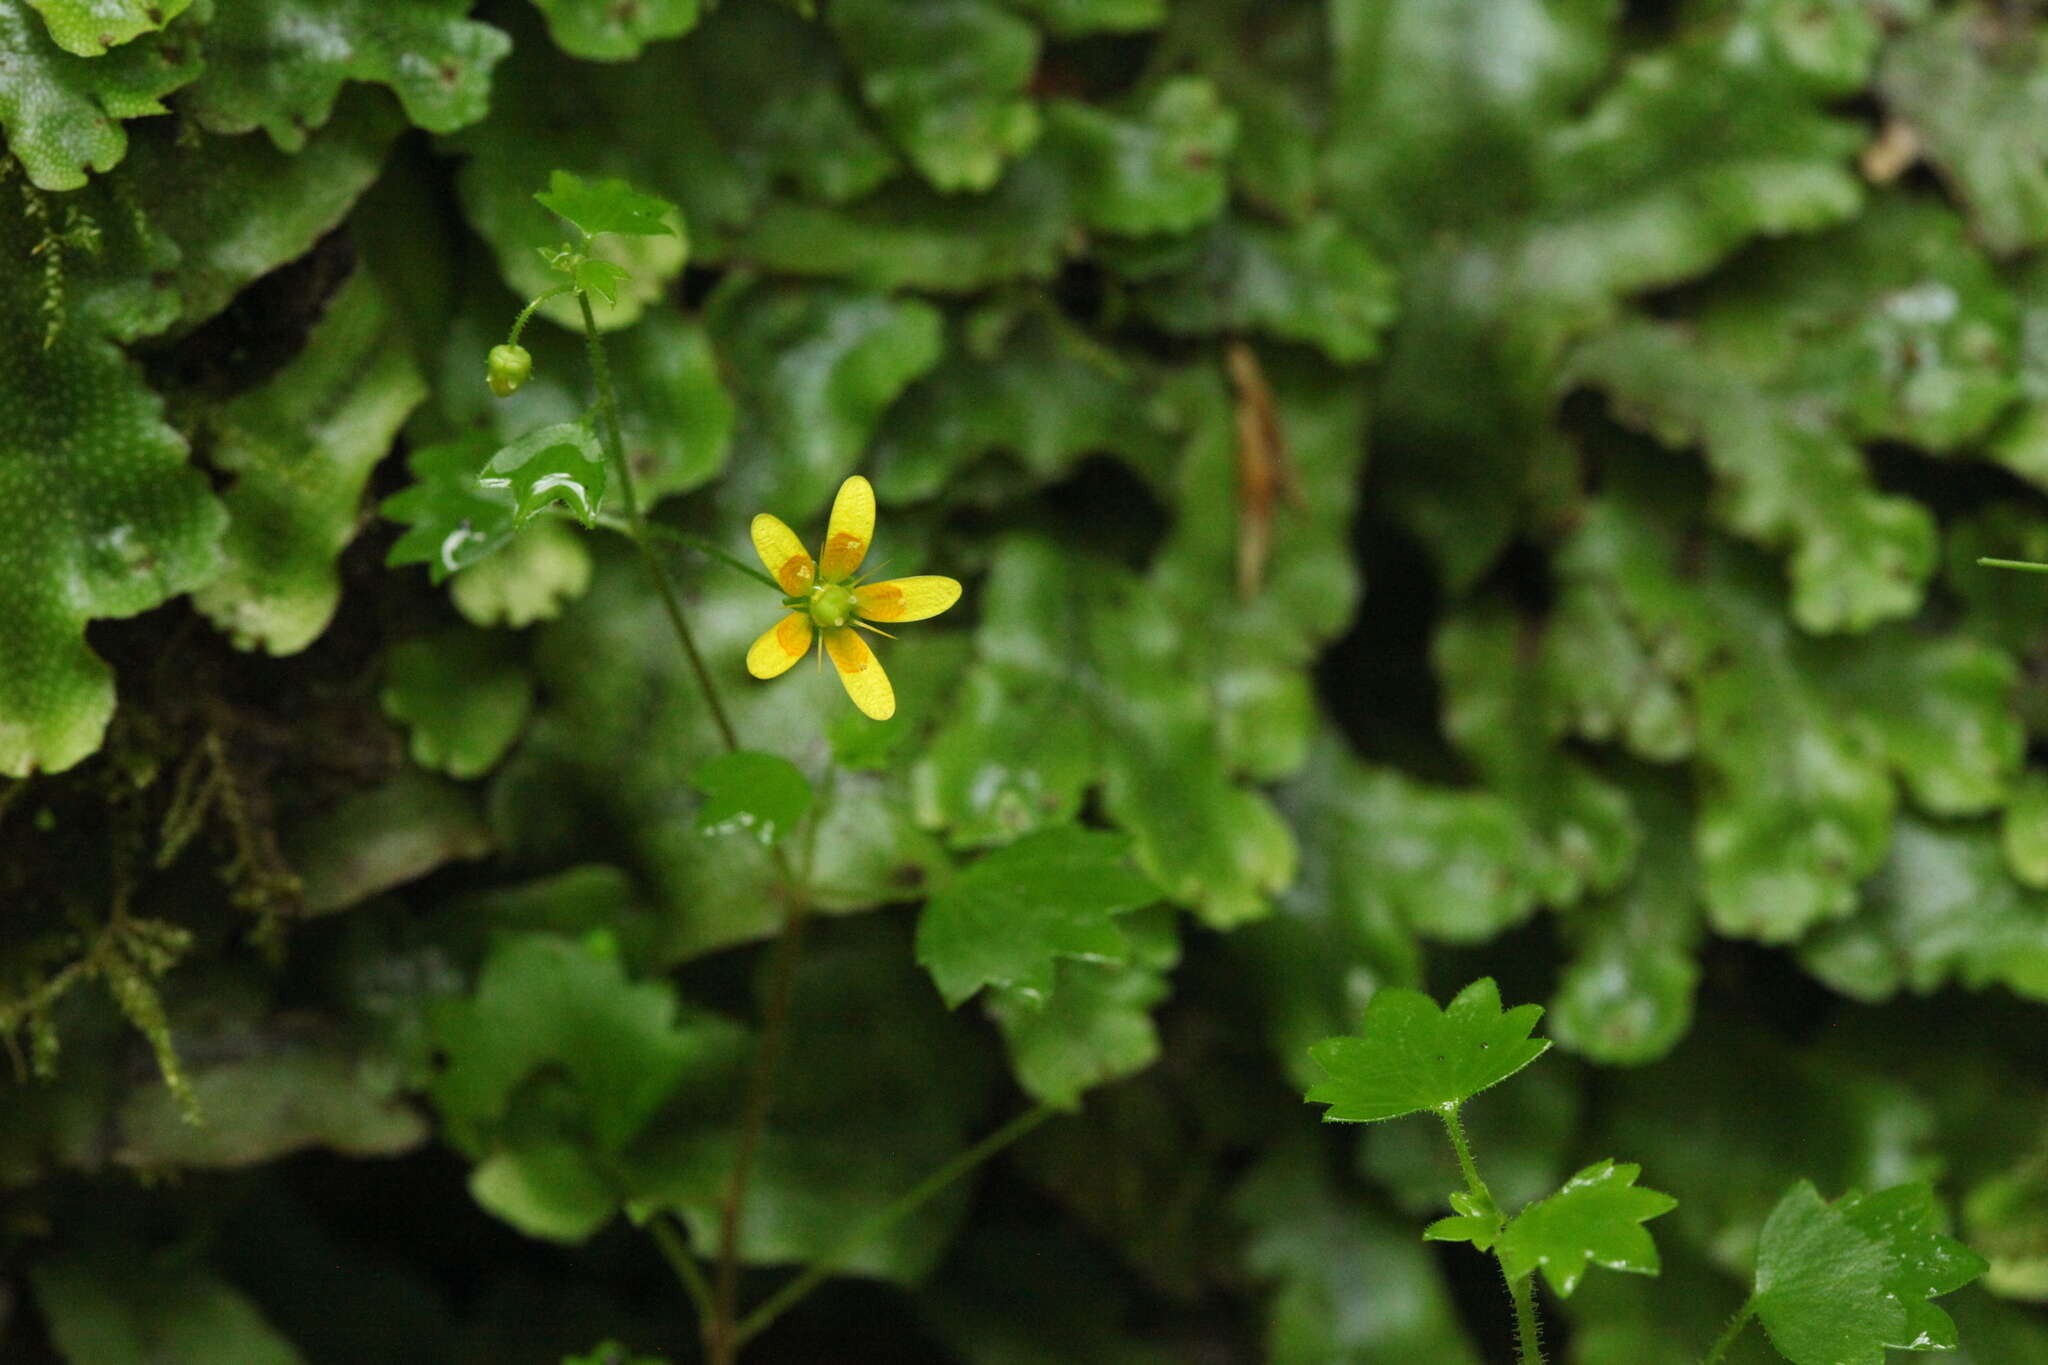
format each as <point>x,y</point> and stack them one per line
<point>636,520</point>
<point>1455,1126</point>
<point>1743,1316</point>
<point>1521,1291</point>
<point>720,1337</point>
<point>526,313</point>
<point>1527,1333</point>
<point>913,1199</point>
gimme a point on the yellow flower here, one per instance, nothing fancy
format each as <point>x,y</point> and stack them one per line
<point>826,598</point>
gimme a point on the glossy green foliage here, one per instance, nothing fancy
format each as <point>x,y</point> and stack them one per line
<point>1444,491</point>
<point>123,522</point>
<point>89,29</point>
<point>1409,1056</point>
<point>280,66</point>
<point>1844,1281</point>
<point>1595,1218</point>
<point>608,1054</point>
<point>63,103</point>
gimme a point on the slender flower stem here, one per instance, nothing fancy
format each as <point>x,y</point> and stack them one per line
<point>671,600</point>
<point>526,313</point>
<point>2023,565</point>
<point>1521,1291</point>
<point>720,1338</point>
<point>1742,1319</point>
<point>754,1116</point>
<point>785,1298</point>
<point>670,1239</point>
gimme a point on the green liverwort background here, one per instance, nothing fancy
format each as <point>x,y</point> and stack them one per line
<point>1468,510</point>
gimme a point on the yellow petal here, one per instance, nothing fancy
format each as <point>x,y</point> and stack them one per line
<point>862,673</point>
<point>906,599</point>
<point>789,563</point>
<point>851,528</point>
<point>781,645</point>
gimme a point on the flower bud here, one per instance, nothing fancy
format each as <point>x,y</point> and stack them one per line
<point>507,369</point>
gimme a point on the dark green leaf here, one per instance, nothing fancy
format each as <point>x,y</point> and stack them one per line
<point>1823,1285</point>
<point>119,1310</point>
<point>555,464</point>
<point>1007,917</point>
<point>452,520</point>
<point>1159,169</point>
<point>1409,1056</point>
<point>1596,1218</point>
<point>959,119</point>
<point>760,795</point>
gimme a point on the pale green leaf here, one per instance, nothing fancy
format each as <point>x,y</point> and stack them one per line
<point>606,31</point>
<point>465,696</point>
<point>62,112</point>
<point>113,520</point>
<point>1972,85</point>
<point>301,449</point>
<point>89,27</point>
<point>279,66</point>
<point>537,574</point>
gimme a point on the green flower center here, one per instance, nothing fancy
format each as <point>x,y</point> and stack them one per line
<point>831,605</point>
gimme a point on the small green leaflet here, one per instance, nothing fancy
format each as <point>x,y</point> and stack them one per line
<point>1597,1217</point>
<point>558,463</point>
<point>452,520</point>
<point>751,793</point>
<point>1409,1056</point>
<point>1838,1284</point>
<point>598,206</point>
<point>1477,1221</point>
<point>1005,919</point>
<point>461,509</point>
